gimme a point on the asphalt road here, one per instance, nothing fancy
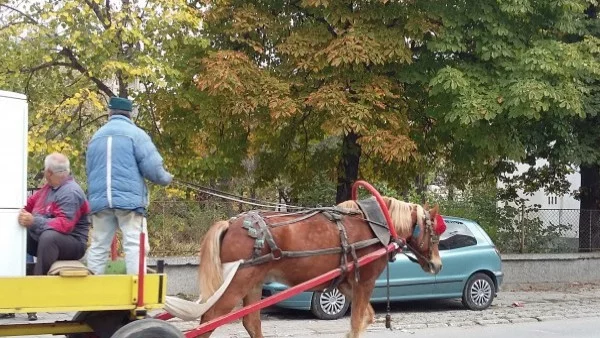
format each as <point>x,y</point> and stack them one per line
<point>577,328</point>
<point>569,311</point>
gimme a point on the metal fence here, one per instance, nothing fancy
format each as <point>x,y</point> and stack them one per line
<point>176,228</point>
<point>565,230</point>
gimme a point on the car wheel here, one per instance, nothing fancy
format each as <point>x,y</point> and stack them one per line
<point>329,305</point>
<point>479,292</point>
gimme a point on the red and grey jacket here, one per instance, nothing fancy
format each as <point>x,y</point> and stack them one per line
<point>64,209</point>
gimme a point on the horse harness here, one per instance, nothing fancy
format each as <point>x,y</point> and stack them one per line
<point>434,238</point>
<point>259,227</point>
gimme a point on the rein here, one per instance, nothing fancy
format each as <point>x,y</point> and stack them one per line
<point>307,213</point>
<point>237,198</point>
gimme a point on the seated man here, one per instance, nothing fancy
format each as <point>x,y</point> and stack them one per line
<point>56,218</point>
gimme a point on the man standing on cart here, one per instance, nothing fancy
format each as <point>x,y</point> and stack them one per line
<point>119,157</point>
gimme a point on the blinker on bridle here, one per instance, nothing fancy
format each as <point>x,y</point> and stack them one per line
<point>435,231</point>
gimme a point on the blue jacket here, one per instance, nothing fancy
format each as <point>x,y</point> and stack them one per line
<point>119,156</point>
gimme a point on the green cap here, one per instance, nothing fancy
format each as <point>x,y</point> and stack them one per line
<point>120,103</point>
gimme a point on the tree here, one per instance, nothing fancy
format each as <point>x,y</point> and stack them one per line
<point>305,78</point>
<point>517,81</point>
<point>70,56</point>
<point>460,86</point>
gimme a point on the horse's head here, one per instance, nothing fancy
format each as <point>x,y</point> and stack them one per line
<point>421,227</point>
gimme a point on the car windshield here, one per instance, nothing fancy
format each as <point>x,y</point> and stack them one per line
<point>457,235</point>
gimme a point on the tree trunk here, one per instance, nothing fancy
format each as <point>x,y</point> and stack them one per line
<point>123,92</point>
<point>421,187</point>
<point>589,217</point>
<point>589,220</point>
<point>348,167</point>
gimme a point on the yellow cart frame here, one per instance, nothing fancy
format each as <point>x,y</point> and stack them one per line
<point>116,294</point>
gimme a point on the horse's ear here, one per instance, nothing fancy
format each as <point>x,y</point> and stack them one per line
<point>413,214</point>
<point>426,206</point>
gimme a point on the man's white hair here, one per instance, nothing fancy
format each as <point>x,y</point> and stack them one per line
<point>57,163</point>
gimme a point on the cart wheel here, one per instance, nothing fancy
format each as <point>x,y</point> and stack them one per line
<point>148,328</point>
<point>104,323</point>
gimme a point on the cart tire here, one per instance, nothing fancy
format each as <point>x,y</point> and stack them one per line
<point>148,328</point>
<point>104,323</point>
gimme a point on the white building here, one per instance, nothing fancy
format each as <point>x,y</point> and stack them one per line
<point>555,209</point>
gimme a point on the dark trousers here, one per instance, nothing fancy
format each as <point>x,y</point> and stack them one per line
<point>51,247</point>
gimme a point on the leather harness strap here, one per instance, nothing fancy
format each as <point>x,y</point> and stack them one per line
<point>260,231</point>
<point>307,253</point>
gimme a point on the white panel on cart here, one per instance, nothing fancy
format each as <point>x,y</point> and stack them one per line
<point>13,245</point>
<point>13,152</point>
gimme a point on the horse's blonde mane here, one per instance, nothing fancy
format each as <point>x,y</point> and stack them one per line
<point>400,213</point>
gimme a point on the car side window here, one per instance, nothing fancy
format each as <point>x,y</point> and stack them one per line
<point>457,235</point>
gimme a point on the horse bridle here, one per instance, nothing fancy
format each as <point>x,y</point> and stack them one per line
<point>434,238</point>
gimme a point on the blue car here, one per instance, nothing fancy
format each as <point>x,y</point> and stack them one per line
<point>472,270</point>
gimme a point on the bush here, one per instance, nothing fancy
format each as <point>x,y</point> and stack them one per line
<point>175,227</point>
<point>515,227</point>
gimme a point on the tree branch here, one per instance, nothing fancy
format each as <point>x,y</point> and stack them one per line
<point>27,83</point>
<point>94,6</point>
<point>81,126</point>
<point>77,65</point>
<point>330,28</point>
<point>108,16</point>
<point>29,17</point>
<point>152,115</point>
<point>40,67</point>
<point>45,65</point>
<point>10,24</point>
<point>123,92</point>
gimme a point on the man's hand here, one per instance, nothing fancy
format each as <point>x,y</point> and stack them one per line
<point>25,219</point>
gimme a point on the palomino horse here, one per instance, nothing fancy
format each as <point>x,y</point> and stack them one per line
<point>238,238</point>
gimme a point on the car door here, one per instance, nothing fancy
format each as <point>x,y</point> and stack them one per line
<point>458,251</point>
<point>407,281</point>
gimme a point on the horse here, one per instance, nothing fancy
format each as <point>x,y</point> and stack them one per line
<point>238,238</point>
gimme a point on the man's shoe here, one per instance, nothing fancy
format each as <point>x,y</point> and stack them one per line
<point>31,316</point>
<point>7,315</point>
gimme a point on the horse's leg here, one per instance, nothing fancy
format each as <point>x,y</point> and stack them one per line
<point>369,316</point>
<point>238,289</point>
<point>361,307</point>
<point>252,320</point>
<point>346,289</point>
<point>224,305</point>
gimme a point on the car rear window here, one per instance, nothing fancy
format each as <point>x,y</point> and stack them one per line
<point>457,235</point>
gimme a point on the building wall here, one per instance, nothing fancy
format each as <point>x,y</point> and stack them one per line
<point>555,209</point>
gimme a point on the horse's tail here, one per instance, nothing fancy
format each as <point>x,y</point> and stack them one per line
<point>210,272</point>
